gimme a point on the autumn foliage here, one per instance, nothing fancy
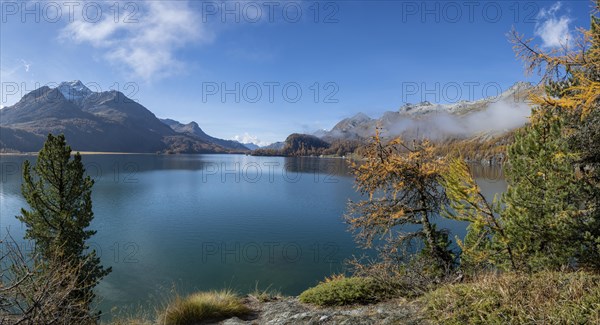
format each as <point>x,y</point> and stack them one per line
<point>549,217</point>
<point>402,182</point>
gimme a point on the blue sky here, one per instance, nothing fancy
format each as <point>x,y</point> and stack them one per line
<point>207,61</point>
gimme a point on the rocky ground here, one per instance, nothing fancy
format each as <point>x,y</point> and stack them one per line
<point>290,311</point>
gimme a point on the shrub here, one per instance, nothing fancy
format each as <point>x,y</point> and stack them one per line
<point>34,290</point>
<point>202,307</point>
<point>541,298</point>
<point>342,291</point>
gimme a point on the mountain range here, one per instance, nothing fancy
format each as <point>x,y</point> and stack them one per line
<point>194,130</point>
<point>487,117</point>
<point>480,129</point>
<point>111,122</point>
<point>105,121</point>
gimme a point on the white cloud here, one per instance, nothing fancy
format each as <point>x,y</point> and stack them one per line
<point>553,30</point>
<point>247,138</point>
<point>147,45</point>
<point>26,65</point>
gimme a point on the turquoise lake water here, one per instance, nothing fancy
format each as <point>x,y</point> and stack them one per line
<point>201,222</point>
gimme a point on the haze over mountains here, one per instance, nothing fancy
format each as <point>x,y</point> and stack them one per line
<point>480,127</point>
<point>99,121</point>
<point>110,122</point>
<point>486,117</point>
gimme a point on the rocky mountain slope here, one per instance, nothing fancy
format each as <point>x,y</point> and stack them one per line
<point>465,119</point>
<point>194,130</point>
<point>96,121</point>
<point>275,145</point>
<point>251,145</point>
<point>481,129</point>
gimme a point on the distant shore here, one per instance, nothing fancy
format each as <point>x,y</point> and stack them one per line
<point>80,152</point>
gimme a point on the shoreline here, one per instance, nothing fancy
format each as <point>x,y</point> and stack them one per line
<point>83,153</point>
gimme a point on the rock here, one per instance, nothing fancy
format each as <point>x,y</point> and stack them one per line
<point>290,311</point>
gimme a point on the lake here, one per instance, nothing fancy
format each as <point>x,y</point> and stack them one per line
<point>201,222</point>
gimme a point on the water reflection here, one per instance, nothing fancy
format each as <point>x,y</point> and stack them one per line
<point>327,166</point>
<point>488,172</point>
<point>213,221</point>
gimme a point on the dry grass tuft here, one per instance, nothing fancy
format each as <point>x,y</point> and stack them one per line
<point>541,298</point>
<point>203,306</point>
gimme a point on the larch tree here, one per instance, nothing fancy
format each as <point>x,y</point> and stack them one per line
<point>571,76</point>
<point>486,245</point>
<point>402,183</point>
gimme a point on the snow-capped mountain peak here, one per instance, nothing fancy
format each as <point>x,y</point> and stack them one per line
<point>74,90</point>
<point>490,115</point>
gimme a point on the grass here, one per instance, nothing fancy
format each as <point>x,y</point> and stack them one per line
<point>202,307</point>
<point>130,321</point>
<point>507,298</point>
<point>341,291</point>
<point>127,316</point>
<point>265,295</point>
<point>542,298</point>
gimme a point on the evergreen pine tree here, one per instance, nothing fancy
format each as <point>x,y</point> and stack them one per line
<point>572,80</point>
<point>59,197</point>
<point>540,215</point>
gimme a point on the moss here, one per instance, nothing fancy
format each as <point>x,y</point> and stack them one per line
<point>344,291</point>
